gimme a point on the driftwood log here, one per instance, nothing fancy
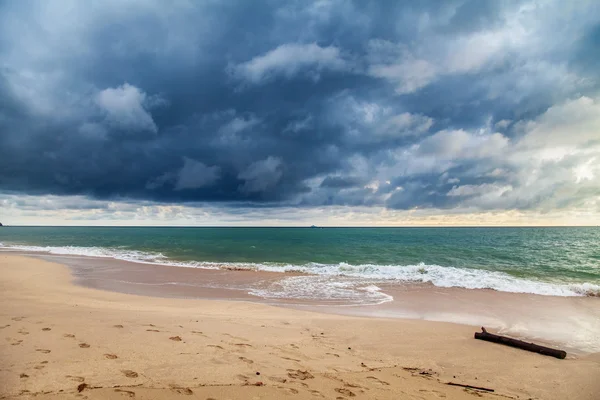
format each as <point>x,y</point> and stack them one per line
<point>547,351</point>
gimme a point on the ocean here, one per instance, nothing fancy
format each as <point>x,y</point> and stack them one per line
<point>348,262</point>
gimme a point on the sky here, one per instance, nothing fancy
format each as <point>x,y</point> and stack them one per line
<point>326,112</point>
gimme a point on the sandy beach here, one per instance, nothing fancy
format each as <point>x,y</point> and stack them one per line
<point>63,341</point>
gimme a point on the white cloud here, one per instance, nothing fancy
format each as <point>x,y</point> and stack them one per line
<point>288,60</point>
<point>450,144</point>
<point>485,189</point>
<point>126,108</point>
<point>502,124</point>
<point>79,210</point>
<point>228,133</point>
<point>368,121</point>
<point>407,124</point>
<point>261,175</point>
<point>408,74</point>
<point>521,36</point>
<point>572,123</point>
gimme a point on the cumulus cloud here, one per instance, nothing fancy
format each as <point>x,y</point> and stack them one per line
<point>288,60</point>
<point>572,123</point>
<point>459,144</point>
<point>229,133</point>
<point>126,108</point>
<point>408,73</point>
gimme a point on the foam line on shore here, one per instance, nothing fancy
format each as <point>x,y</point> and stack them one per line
<point>441,276</point>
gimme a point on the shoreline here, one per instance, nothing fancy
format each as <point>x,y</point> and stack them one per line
<point>60,336</point>
<point>415,273</point>
<point>548,320</point>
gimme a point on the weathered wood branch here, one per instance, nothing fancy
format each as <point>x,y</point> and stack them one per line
<point>536,348</point>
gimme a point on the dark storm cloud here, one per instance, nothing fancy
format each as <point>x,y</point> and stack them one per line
<point>402,104</point>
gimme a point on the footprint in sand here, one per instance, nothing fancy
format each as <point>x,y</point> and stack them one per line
<point>152,330</point>
<point>181,390</point>
<point>5,326</point>
<point>23,376</point>
<point>127,393</point>
<point>68,335</point>
<point>23,332</point>
<point>175,338</point>
<point>215,346</point>
<point>439,394</point>
<point>345,392</point>
<point>236,337</point>
<point>17,318</point>
<point>246,360</point>
<point>18,342</point>
<point>333,354</point>
<point>111,356</point>
<point>75,378</point>
<point>84,345</point>
<point>45,351</point>
<point>117,326</point>
<point>39,367</point>
<point>46,329</point>
<point>276,379</point>
<point>316,393</point>
<point>297,374</point>
<point>129,373</point>
<point>378,380</point>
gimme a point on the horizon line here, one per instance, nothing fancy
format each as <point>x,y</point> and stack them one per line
<point>301,226</point>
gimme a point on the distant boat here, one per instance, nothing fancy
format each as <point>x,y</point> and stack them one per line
<point>314,226</point>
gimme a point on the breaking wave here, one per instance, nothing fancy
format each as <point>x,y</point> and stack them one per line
<point>371,273</point>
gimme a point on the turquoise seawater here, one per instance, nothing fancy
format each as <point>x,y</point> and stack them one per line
<point>551,261</point>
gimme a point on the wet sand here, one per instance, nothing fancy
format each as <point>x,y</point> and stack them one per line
<point>63,341</point>
<point>572,323</point>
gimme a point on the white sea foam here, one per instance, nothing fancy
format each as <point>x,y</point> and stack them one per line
<point>123,254</point>
<point>323,288</point>
<point>434,274</point>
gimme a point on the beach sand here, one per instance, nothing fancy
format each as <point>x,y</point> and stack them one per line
<point>62,341</point>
